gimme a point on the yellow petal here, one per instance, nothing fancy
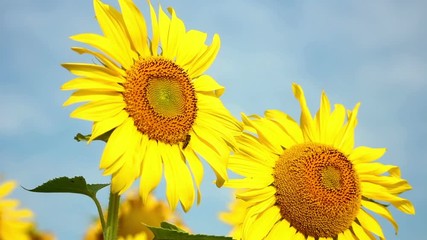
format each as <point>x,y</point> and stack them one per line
<point>246,167</point>
<point>257,195</point>
<point>184,181</point>
<point>259,182</point>
<point>93,84</point>
<point>176,32</point>
<point>99,110</point>
<point>217,163</point>
<point>196,167</point>
<point>152,168</point>
<point>206,83</point>
<point>322,118</point>
<point>104,45</point>
<point>106,125</point>
<point>370,223</point>
<point>307,123</point>
<point>264,223</point>
<point>288,125</point>
<point>117,144</point>
<point>365,154</point>
<point>102,58</point>
<point>345,139</point>
<point>268,134</point>
<point>92,95</point>
<point>94,71</point>
<point>376,169</point>
<point>156,32</point>
<point>360,233</point>
<point>135,24</point>
<point>382,211</point>
<point>204,61</point>
<point>192,45</point>
<point>6,188</point>
<point>171,174</point>
<point>377,192</point>
<point>112,25</point>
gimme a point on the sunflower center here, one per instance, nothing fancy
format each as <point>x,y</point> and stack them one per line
<point>331,177</point>
<point>161,99</point>
<point>166,97</point>
<point>317,189</point>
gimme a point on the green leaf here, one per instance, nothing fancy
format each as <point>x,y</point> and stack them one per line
<point>84,138</point>
<point>69,185</point>
<point>169,231</point>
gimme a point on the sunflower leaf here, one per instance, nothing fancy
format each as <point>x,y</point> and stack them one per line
<point>169,231</point>
<point>69,185</point>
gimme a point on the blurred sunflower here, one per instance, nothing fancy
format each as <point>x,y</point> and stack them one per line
<point>133,214</point>
<point>152,96</point>
<point>308,181</point>
<point>235,217</point>
<point>14,223</point>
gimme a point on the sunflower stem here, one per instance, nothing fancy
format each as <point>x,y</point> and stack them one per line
<point>110,232</point>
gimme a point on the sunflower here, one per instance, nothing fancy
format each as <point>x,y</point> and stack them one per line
<point>134,214</point>
<point>309,181</point>
<point>152,96</point>
<point>14,223</point>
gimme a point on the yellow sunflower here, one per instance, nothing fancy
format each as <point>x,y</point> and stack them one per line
<point>133,214</point>
<point>309,181</point>
<point>152,96</point>
<point>14,223</point>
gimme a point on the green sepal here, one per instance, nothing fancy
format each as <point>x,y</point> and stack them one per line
<point>169,231</point>
<point>84,138</point>
<point>69,185</point>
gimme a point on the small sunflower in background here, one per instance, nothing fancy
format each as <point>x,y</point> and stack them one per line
<point>307,180</point>
<point>14,223</point>
<point>152,96</point>
<point>133,214</point>
<point>235,217</point>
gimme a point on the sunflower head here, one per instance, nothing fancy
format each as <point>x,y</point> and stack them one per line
<point>149,93</point>
<point>307,180</point>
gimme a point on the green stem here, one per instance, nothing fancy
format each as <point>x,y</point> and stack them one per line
<point>110,232</point>
<point>100,213</point>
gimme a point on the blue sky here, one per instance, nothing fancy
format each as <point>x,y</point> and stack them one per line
<point>368,51</point>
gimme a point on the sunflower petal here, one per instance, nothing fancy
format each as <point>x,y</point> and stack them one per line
<point>370,223</point>
<point>204,61</point>
<point>105,45</point>
<point>151,170</point>
<point>91,96</point>
<point>106,125</point>
<point>99,110</point>
<point>112,25</point>
<point>93,84</point>
<point>307,124</point>
<point>206,83</point>
<point>365,154</point>
<point>264,223</point>
<point>382,211</point>
<point>216,162</point>
<point>102,58</point>
<point>196,167</point>
<point>135,24</point>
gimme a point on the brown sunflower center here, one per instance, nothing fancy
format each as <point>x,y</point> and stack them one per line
<point>161,100</point>
<point>317,189</point>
